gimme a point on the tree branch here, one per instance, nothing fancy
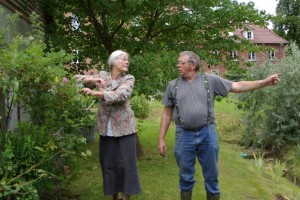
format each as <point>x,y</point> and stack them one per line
<point>101,29</point>
<point>170,29</point>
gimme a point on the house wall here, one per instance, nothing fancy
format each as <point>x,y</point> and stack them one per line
<point>261,57</point>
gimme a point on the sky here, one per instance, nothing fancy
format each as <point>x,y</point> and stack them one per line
<point>268,5</point>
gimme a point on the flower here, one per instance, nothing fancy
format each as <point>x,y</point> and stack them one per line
<point>65,80</point>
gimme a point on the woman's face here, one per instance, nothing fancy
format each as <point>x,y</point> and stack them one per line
<point>122,63</point>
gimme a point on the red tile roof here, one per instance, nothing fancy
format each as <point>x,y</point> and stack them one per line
<point>262,35</point>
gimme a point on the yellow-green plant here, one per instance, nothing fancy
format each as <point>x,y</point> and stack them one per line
<point>296,195</point>
<point>259,160</point>
<point>277,170</point>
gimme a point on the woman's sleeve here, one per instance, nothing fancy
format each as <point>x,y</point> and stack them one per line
<point>122,92</point>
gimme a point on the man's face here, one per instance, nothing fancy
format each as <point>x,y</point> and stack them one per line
<point>184,65</point>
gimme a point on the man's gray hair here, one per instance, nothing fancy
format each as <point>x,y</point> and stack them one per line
<point>193,57</point>
<point>114,56</point>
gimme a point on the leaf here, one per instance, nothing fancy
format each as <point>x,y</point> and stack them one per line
<point>88,152</point>
<point>39,148</point>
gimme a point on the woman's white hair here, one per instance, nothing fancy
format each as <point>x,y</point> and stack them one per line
<point>114,56</point>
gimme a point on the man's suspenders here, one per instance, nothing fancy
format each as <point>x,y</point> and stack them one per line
<point>204,78</point>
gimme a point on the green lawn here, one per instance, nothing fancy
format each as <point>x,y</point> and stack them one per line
<point>239,178</point>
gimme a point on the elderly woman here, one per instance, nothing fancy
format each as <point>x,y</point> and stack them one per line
<point>117,126</point>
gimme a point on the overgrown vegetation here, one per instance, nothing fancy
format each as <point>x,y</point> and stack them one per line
<point>272,114</point>
<point>39,153</point>
<point>32,159</point>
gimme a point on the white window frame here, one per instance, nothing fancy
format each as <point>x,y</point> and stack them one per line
<point>75,24</point>
<point>233,55</point>
<point>76,60</point>
<point>271,55</point>
<point>216,52</point>
<point>215,72</point>
<point>251,56</point>
<point>249,35</point>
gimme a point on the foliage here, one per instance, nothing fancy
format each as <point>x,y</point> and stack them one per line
<point>287,21</point>
<point>152,66</point>
<point>88,112</point>
<point>145,28</point>
<point>37,153</point>
<point>140,106</point>
<point>259,161</point>
<point>272,114</point>
<point>277,170</point>
<point>40,82</point>
<point>32,158</point>
<point>296,194</point>
<point>297,153</point>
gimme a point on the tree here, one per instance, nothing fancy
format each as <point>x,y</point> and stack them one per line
<point>148,29</point>
<point>287,23</point>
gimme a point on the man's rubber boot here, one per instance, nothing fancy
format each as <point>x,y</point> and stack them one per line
<point>186,195</point>
<point>212,196</point>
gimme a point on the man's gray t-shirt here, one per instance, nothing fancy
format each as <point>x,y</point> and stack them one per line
<point>192,99</point>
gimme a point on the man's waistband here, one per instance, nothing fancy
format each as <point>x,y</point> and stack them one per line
<point>197,129</point>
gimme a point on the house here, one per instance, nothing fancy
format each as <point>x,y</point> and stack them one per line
<point>259,36</point>
<point>11,115</point>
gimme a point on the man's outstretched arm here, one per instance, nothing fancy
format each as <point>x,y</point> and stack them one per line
<point>245,86</point>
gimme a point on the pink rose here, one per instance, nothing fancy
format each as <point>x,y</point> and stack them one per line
<point>65,80</point>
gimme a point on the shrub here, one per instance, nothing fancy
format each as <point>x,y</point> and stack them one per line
<point>31,159</point>
<point>273,113</point>
<point>140,106</point>
<point>37,79</point>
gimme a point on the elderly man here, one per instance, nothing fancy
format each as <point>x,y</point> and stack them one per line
<point>190,100</point>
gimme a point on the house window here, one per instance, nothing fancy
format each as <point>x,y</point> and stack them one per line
<point>75,24</point>
<point>214,52</point>
<point>215,72</point>
<point>251,56</point>
<point>233,55</point>
<point>76,57</point>
<point>249,35</point>
<point>271,55</point>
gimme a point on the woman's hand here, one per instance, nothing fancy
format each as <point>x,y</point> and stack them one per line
<point>96,81</point>
<point>99,82</point>
<point>87,91</point>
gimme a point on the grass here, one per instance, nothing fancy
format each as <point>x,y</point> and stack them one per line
<point>239,178</point>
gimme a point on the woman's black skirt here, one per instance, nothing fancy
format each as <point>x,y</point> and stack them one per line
<point>119,165</point>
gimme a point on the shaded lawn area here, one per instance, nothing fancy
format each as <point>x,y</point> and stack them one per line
<point>239,178</point>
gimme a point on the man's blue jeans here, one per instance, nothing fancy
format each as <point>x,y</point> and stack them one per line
<point>204,145</point>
